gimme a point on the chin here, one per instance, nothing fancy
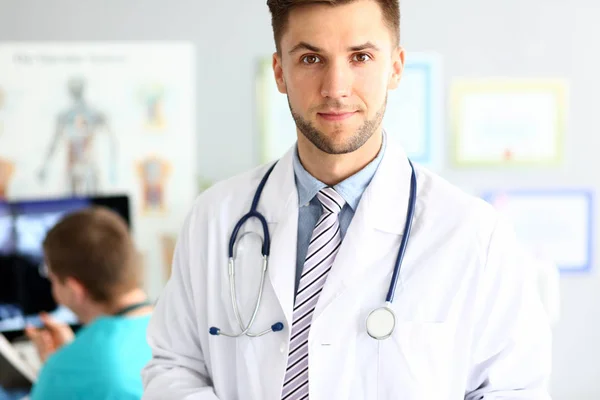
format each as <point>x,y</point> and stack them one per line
<point>339,142</point>
<point>339,137</point>
<point>338,132</point>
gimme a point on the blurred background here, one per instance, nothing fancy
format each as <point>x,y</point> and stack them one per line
<point>156,101</point>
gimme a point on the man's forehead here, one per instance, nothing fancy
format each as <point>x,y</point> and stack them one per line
<point>342,25</point>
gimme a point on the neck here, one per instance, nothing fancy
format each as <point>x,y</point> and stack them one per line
<point>332,169</point>
<point>98,309</point>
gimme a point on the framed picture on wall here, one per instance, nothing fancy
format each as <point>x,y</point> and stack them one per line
<point>414,113</point>
<point>555,224</point>
<point>504,122</point>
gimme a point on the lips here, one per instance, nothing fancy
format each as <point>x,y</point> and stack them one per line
<point>336,115</point>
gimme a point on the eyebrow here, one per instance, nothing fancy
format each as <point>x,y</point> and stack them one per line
<point>364,46</point>
<point>304,46</point>
<point>310,47</point>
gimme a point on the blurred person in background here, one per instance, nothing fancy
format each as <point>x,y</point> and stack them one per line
<point>94,269</point>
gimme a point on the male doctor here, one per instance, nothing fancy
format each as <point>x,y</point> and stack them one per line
<point>469,321</point>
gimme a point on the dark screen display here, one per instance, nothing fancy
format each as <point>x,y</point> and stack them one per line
<point>25,291</point>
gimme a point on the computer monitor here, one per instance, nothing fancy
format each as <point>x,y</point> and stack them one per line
<point>25,291</point>
<point>6,244</point>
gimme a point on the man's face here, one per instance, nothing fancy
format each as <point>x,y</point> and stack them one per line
<point>336,66</point>
<point>60,290</point>
<point>65,291</point>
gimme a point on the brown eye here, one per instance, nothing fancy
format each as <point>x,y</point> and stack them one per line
<point>310,59</point>
<point>361,57</point>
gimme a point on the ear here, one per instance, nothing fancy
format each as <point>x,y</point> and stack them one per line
<point>77,291</point>
<point>398,56</point>
<point>278,72</point>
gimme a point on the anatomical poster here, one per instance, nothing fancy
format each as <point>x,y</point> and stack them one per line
<point>102,118</point>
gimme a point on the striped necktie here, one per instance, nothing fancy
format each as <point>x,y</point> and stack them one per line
<point>322,249</point>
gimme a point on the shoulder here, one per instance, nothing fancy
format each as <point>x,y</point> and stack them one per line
<point>229,194</point>
<point>59,373</point>
<point>78,353</point>
<point>100,341</point>
<point>449,208</point>
<point>95,359</point>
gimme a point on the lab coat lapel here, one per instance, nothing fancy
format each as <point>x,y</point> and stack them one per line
<point>373,237</point>
<point>279,204</point>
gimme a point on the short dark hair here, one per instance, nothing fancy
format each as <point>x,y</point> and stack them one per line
<point>95,247</point>
<point>280,10</point>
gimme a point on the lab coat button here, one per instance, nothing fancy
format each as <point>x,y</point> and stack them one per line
<point>282,347</point>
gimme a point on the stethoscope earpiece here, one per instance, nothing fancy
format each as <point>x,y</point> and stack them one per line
<point>274,328</point>
<point>277,327</point>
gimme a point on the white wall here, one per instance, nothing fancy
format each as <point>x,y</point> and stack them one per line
<point>477,38</point>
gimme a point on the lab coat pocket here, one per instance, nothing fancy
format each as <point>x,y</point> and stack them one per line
<point>416,361</point>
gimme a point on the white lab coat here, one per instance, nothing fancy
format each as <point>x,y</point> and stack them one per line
<point>470,321</point>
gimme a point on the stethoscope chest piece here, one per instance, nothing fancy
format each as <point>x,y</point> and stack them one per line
<point>381,323</point>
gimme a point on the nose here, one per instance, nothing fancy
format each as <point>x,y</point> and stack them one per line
<point>337,80</point>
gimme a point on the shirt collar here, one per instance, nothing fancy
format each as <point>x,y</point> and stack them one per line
<point>351,189</point>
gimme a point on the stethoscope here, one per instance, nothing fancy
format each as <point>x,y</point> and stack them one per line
<point>380,322</point>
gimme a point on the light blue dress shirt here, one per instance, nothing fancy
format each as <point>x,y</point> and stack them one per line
<point>351,189</point>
